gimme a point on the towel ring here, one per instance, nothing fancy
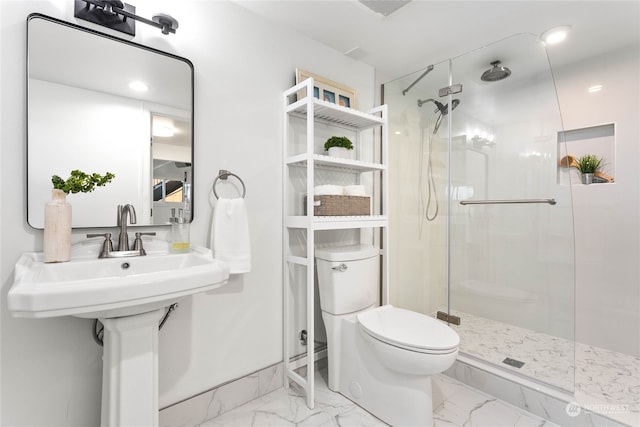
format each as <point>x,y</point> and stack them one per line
<point>224,174</point>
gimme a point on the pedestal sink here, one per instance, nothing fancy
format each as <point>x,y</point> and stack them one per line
<point>129,296</point>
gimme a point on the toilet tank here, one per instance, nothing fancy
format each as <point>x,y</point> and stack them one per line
<point>348,278</point>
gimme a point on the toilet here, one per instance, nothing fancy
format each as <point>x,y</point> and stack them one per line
<point>380,357</point>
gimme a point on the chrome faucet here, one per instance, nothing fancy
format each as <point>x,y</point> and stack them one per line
<point>124,212</point>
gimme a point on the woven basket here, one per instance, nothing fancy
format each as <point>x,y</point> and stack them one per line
<point>340,205</point>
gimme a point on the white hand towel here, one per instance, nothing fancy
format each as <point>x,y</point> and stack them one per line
<point>230,235</point>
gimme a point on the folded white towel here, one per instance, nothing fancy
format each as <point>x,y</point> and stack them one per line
<point>353,190</point>
<point>327,190</point>
<point>230,235</point>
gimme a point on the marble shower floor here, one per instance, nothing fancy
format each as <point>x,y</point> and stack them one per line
<point>463,406</point>
<point>601,376</point>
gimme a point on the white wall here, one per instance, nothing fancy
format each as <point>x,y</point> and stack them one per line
<point>607,216</point>
<point>51,369</point>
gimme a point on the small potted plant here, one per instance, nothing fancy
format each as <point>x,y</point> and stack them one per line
<point>57,212</point>
<point>588,165</point>
<point>81,182</point>
<point>338,146</point>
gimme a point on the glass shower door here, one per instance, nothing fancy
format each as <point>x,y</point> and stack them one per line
<point>418,176</point>
<point>510,252</point>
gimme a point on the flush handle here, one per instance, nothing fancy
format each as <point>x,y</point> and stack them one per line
<point>341,268</point>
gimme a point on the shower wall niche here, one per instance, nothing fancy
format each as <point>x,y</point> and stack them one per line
<point>598,140</point>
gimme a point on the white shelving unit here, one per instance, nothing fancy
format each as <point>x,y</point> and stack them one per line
<point>311,112</point>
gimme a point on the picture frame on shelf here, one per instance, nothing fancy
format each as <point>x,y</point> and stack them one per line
<point>327,90</point>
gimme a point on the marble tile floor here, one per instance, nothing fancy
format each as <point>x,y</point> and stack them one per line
<point>601,376</point>
<point>462,406</point>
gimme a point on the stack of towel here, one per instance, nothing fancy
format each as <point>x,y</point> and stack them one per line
<point>353,190</point>
<point>339,190</point>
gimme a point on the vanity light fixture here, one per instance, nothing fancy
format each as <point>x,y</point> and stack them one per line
<point>120,16</point>
<point>595,88</point>
<point>555,35</point>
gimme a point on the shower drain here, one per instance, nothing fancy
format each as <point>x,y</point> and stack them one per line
<point>513,362</point>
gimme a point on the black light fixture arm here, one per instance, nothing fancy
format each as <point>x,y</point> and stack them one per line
<point>166,23</point>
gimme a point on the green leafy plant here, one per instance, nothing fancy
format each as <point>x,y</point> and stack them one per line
<point>338,141</point>
<point>81,182</point>
<point>589,163</point>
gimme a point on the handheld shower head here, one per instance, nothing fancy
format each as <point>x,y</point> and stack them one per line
<point>444,109</point>
<point>454,103</point>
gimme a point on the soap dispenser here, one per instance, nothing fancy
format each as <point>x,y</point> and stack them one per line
<point>179,232</point>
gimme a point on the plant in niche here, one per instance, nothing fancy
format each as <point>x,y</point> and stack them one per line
<point>338,141</point>
<point>589,163</point>
<point>81,182</point>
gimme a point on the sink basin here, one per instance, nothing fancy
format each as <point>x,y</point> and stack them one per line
<point>114,287</point>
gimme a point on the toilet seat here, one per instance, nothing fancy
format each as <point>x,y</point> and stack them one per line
<point>409,330</point>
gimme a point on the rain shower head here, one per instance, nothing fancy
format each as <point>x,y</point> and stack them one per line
<point>496,73</point>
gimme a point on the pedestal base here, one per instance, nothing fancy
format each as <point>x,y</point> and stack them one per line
<point>130,370</point>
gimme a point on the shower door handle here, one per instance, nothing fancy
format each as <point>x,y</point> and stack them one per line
<point>507,202</point>
<point>341,268</point>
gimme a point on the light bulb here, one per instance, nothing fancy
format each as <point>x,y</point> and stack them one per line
<point>555,35</point>
<point>138,86</point>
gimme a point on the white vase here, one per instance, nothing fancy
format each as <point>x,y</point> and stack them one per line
<point>57,228</point>
<point>340,152</point>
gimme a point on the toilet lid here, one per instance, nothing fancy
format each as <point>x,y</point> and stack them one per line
<point>408,329</point>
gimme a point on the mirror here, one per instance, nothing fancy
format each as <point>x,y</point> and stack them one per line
<point>82,114</point>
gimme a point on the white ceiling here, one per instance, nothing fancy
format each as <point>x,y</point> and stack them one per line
<point>425,32</point>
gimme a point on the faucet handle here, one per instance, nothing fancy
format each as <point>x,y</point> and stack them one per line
<point>107,236</point>
<point>137,243</point>
<point>107,245</point>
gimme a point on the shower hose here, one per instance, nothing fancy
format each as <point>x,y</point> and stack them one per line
<point>427,210</point>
